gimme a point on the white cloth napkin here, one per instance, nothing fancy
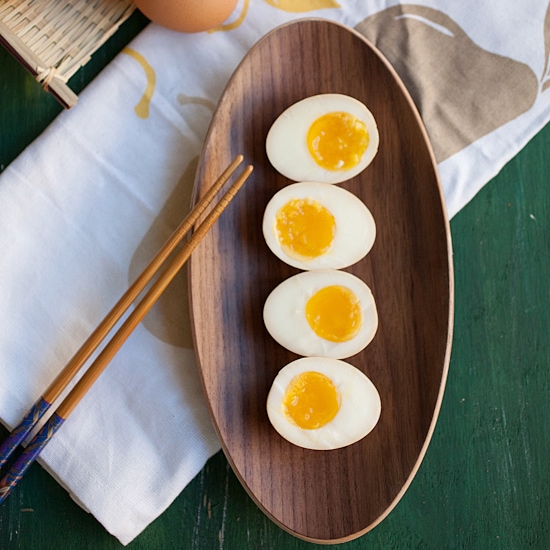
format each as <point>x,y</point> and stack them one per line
<point>86,205</point>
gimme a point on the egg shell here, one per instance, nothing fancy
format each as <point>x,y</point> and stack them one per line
<point>189,16</point>
<point>360,405</point>
<point>355,225</point>
<point>285,319</point>
<point>286,143</point>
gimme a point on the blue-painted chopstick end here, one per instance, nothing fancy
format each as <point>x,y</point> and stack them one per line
<point>18,435</point>
<point>29,455</point>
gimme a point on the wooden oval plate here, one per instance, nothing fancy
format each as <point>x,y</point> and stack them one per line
<point>324,496</point>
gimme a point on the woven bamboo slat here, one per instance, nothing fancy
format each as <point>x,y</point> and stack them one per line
<point>54,38</point>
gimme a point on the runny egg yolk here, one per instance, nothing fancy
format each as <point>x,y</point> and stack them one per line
<point>305,228</point>
<point>334,313</point>
<point>311,400</point>
<point>337,141</point>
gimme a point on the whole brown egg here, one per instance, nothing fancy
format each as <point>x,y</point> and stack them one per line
<point>187,15</point>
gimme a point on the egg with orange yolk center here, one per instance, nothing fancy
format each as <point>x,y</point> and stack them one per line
<point>311,225</point>
<point>325,313</point>
<point>322,403</point>
<point>327,138</point>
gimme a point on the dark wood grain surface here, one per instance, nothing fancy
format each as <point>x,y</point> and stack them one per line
<point>332,495</point>
<point>485,481</point>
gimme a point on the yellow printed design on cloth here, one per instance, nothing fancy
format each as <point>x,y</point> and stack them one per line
<point>233,24</point>
<point>300,6</point>
<point>142,108</point>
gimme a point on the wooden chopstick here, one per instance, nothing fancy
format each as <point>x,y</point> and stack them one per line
<point>43,404</point>
<point>27,457</point>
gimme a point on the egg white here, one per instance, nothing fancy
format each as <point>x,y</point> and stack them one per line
<point>285,318</point>
<point>355,226</point>
<point>359,412</point>
<point>286,143</point>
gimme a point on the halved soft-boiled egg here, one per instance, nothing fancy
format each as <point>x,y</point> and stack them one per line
<point>325,313</point>
<point>322,403</point>
<point>328,138</point>
<point>314,226</point>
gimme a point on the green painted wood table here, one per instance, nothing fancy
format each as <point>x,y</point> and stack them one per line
<point>485,481</point>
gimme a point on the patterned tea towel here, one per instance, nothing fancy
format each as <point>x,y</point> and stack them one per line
<point>84,207</point>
